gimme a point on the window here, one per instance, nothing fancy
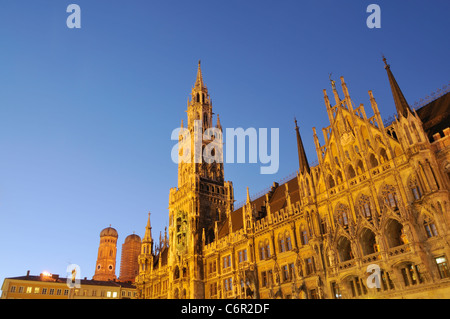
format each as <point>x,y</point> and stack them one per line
<point>364,206</point>
<point>342,214</point>
<point>264,250</point>
<point>323,226</point>
<point>411,275</point>
<point>12,289</point>
<point>288,242</point>
<point>430,228</point>
<point>285,273</point>
<point>29,289</point>
<point>336,291</point>
<point>228,284</point>
<point>390,196</point>
<point>58,292</point>
<point>309,262</point>
<point>114,294</point>
<point>304,237</point>
<point>242,255</point>
<point>36,290</point>
<point>442,264</point>
<point>262,254</point>
<point>267,249</point>
<point>263,278</point>
<point>213,289</point>
<point>212,267</point>
<point>281,244</point>
<point>20,290</point>
<point>226,261</point>
<point>413,185</point>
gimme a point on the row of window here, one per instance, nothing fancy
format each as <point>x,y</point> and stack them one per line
<point>38,290</point>
<point>287,273</point>
<point>65,292</point>
<point>226,261</point>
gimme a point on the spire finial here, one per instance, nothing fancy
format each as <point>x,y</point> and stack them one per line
<point>248,195</point>
<point>199,81</point>
<point>303,162</point>
<point>385,61</point>
<point>399,99</point>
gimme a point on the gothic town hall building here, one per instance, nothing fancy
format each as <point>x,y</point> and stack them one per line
<point>370,220</point>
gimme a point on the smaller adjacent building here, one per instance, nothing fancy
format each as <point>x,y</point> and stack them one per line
<point>51,286</point>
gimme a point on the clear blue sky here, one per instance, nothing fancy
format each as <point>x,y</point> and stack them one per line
<point>86,114</point>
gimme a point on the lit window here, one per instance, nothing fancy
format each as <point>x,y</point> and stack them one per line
<point>29,289</point>
<point>36,290</point>
<point>443,267</point>
<point>115,294</point>
<point>108,294</point>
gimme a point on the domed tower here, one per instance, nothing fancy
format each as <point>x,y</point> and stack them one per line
<point>129,266</point>
<point>105,268</point>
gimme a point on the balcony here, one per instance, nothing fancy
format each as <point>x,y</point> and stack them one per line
<point>398,250</point>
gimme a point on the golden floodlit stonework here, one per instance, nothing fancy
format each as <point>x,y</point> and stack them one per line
<point>370,220</point>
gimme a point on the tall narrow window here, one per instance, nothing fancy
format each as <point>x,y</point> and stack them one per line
<point>430,228</point>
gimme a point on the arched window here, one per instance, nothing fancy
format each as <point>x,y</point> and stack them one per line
<point>344,249</point>
<point>368,242</point>
<point>303,236</point>
<point>394,233</point>
<point>351,172</point>
<point>383,155</point>
<point>331,183</point>
<point>430,228</point>
<point>267,247</point>
<point>373,161</point>
<point>281,243</point>
<point>359,167</point>
<point>343,215</point>
<point>339,177</point>
<point>415,188</point>
<point>288,241</point>
<point>390,196</point>
<point>365,207</point>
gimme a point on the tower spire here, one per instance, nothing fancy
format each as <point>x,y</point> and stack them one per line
<point>199,80</point>
<point>399,99</point>
<point>148,231</point>
<point>303,162</point>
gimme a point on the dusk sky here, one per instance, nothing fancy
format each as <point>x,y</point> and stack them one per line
<point>86,115</point>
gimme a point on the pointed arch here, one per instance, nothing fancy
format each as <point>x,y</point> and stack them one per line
<point>373,160</point>
<point>350,171</point>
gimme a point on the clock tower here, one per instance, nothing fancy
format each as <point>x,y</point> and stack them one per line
<point>202,198</point>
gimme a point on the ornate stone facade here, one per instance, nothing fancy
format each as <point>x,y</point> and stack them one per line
<point>374,211</point>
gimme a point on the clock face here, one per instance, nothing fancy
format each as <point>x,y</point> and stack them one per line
<point>98,267</point>
<point>110,267</point>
